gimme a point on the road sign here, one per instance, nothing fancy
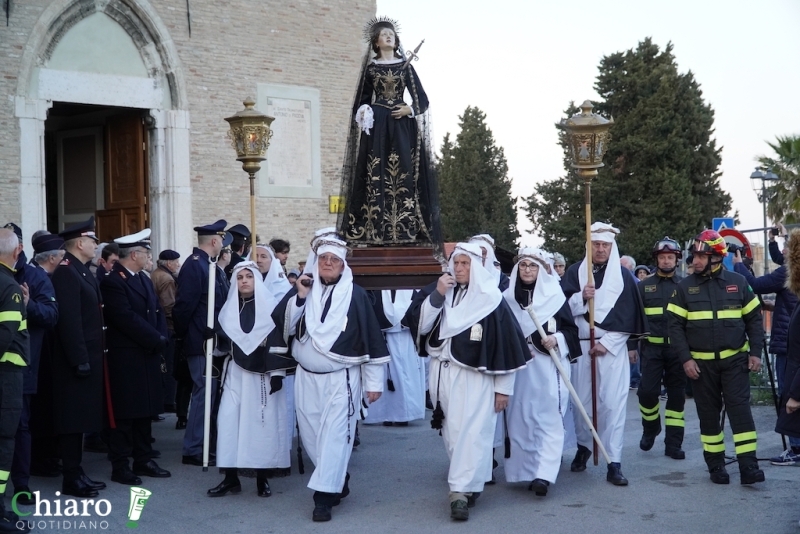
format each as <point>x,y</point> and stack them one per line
<point>720,223</point>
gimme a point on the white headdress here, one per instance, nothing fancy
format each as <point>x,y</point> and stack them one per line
<point>275,280</point>
<point>481,299</point>
<point>325,333</point>
<point>606,297</point>
<point>486,242</point>
<point>548,297</point>
<point>264,302</point>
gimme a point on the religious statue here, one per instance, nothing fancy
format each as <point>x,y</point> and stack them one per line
<point>388,181</point>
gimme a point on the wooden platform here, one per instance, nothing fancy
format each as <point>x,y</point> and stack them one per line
<point>394,267</point>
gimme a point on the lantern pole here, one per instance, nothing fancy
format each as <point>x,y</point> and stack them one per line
<point>250,133</point>
<point>587,138</point>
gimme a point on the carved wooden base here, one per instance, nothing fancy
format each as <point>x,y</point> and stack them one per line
<point>394,267</point>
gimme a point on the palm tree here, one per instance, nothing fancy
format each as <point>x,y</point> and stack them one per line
<point>784,196</point>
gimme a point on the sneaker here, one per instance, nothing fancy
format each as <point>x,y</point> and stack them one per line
<point>787,457</point>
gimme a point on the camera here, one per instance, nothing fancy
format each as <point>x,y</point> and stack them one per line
<point>774,231</point>
<point>733,248</point>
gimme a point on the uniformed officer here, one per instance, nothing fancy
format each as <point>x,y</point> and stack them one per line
<point>240,246</point>
<point>658,361</point>
<point>77,366</point>
<point>13,359</point>
<point>42,316</point>
<point>715,323</point>
<point>136,337</point>
<point>189,317</point>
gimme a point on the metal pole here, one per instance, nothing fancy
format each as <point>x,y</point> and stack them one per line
<point>766,232</point>
<point>212,283</point>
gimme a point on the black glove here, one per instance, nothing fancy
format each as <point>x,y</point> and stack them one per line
<point>83,370</point>
<point>208,333</point>
<point>275,384</point>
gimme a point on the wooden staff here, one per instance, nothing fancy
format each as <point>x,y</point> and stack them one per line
<point>212,283</point>
<point>587,186</point>
<point>574,394</point>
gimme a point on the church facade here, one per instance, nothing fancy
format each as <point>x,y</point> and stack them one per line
<point>115,108</point>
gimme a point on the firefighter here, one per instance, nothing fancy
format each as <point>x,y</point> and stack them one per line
<point>715,330</point>
<point>657,359</point>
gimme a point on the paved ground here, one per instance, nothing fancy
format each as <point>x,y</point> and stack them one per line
<point>399,485</point>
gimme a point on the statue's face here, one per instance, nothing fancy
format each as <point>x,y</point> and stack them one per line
<point>386,39</point>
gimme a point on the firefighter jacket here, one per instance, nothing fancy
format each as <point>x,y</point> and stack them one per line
<point>715,317</point>
<point>656,291</point>
<point>13,320</point>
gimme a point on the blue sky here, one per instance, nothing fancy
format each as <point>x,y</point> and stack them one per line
<point>521,62</point>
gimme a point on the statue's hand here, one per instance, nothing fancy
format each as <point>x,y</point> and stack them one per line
<point>401,111</point>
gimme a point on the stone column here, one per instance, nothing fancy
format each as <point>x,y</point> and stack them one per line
<point>170,195</point>
<point>33,210</point>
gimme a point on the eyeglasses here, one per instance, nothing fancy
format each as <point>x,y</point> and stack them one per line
<point>332,260</point>
<point>528,267</point>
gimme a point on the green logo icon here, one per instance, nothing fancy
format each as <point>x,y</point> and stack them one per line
<point>139,498</point>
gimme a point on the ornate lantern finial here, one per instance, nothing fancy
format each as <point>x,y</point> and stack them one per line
<point>587,138</point>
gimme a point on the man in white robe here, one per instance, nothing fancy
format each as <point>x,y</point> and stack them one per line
<point>476,346</point>
<point>337,344</point>
<point>619,314</point>
<point>541,398</point>
<point>403,400</point>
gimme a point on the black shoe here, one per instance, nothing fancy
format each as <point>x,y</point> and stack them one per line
<point>225,487</point>
<point>78,488</point>
<point>459,510</point>
<point>615,475</point>
<point>125,476</point>
<point>25,500</point>
<point>263,488</point>
<point>581,457</point>
<point>9,521</point>
<point>719,475</point>
<point>95,485</point>
<point>751,474</point>
<point>471,498</point>
<point>155,453</point>
<point>646,443</point>
<point>180,424</point>
<point>94,444</point>
<point>197,459</point>
<point>401,423</point>
<point>322,512</point>
<point>539,487</point>
<point>157,418</point>
<point>151,469</point>
<point>676,453</point>
<point>388,423</point>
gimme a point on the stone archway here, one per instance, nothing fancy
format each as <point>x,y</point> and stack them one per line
<point>169,192</point>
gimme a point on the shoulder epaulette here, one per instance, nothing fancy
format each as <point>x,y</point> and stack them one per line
<point>195,257</point>
<point>64,261</point>
<point>122,274</point>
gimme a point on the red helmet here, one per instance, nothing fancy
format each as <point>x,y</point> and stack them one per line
<point>709,242</point>
<point>667,246</point>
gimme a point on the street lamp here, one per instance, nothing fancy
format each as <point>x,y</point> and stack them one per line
<point>250,134</point>
<point>760,176</point>
<point>587,135</point>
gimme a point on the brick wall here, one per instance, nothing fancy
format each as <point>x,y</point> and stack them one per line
<point>235,45</point>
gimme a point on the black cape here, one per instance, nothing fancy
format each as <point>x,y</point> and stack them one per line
<point>272,357</point>
<point>627,315</point>
<point>362,337</point>
<point>501,349</point>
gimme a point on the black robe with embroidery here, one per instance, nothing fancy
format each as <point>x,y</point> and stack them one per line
<point>501,349</point>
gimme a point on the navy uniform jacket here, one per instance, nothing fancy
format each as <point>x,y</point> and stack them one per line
<point>137,332</point>
<point>191,302</point>
<point>77,401</point>
<point>42,316</point>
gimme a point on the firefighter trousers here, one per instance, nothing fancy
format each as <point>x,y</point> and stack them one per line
<point>658,365</point>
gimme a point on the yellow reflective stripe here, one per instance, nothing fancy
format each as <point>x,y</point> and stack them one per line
<point>729,314</point>
<point>10,316</point>
<point>712,439</point>
<point>747,447</point>
<point>13,357</point>
<point>744,436</point>
<point>727,353</point>
<point>668,421</point>
<point>656,340</point>
<point>699,315</point>
<point>654,409</point>
<point>677,310</point>
<point>750,306</point>
<point>23,325</point>
<point>673,413</point>
<point>654,311</point>
<point>714,448</point>
<point>652,417</point>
